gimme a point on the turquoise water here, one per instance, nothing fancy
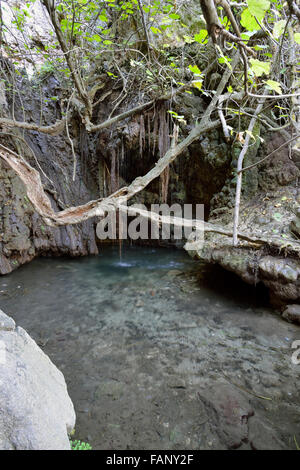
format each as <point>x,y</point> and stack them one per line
<point>147,340</point>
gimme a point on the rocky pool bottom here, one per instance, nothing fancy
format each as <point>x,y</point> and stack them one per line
<point>160,352</point>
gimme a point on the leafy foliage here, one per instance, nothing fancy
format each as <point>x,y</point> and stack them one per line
<point>80,445</point>
<point>145,51</point>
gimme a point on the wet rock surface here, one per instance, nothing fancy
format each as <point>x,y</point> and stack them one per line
<point>23,234</point>
<point>160,355</point>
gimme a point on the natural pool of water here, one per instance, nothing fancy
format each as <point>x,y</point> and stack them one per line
<point>159,352</point>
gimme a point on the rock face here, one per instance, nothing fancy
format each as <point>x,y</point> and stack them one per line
<point>281,275</point>
<point>36,412</point>
<point>23,234</point>
<point>277,268</point>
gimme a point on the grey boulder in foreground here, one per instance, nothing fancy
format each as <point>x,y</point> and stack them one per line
<point>36,412</point>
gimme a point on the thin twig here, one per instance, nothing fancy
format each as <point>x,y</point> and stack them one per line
<point>270,154</point>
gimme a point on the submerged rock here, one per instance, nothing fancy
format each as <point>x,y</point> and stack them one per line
<point>36,412</point>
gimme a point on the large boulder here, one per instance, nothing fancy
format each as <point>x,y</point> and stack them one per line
<point>36,412</point>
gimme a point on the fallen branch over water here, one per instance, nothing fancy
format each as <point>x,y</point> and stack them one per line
<point>117,201</point>
<point>73,215</point>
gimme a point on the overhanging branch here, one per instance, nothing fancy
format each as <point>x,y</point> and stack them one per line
<point>54,129</point>
<point>74,215</point>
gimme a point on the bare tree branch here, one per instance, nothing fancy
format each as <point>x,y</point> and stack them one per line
<point>294,9</point>
<point>239,172</point>
<point>74,215</point>
<point>144,26</point>
<point>96,127</point>
<point>270,154</point>
<point>116,201</point>
<point>214,27</point>
<point>54,129</point>
<point>50,7</point>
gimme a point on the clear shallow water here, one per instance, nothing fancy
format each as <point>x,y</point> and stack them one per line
<point>158,354</point>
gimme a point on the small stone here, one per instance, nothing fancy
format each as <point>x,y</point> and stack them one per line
<point>176,382</point>
<point>6,323</point>
<point>260,220</point>
<point>292,313</point>
<point>174,272</point>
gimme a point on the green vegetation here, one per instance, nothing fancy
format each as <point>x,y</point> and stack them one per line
<point>80,445</point>
<point>241,57</point>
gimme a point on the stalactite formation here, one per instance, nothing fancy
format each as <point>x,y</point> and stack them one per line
<point>142,135</point>
<point>163,147</point>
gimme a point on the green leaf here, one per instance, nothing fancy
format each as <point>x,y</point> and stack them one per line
<point>297,38</point>
<point>258,8</point>
<point>201,36</point>
<point>274,86</point>
<point>155,30</point>
<point>259,68</point>
<point>223,59</point>
<point>195,69</point>
<point>260,47</point>
<point>188,39</point>
<point>173,113</point>
<point>197,84</point>
<point>103,17</point>
<point>96,37</point>
<point>278,28</point>
<point>174,16</point>
<point>248,21</point>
